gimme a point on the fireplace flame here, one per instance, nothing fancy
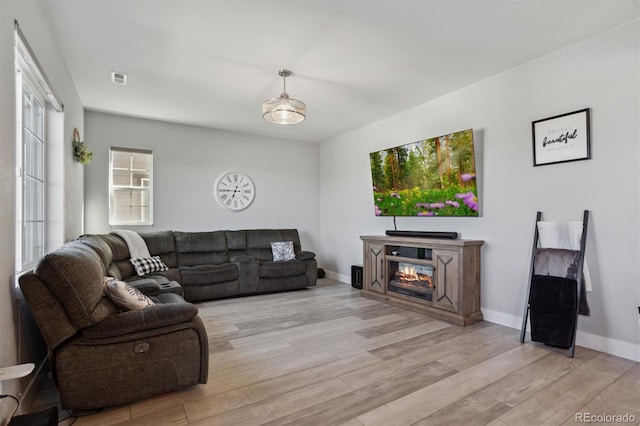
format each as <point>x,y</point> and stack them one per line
<point>408,273</point>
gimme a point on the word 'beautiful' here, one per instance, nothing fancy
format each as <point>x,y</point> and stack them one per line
<point>564,137</point>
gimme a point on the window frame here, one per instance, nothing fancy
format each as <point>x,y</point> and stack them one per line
<point>31,204</point>
<point>142,189</point>
<point>31,81</point>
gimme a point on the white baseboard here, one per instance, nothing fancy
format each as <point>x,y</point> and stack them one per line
<point>337,277</point>
<point>592,341</point>
<point>501,318</point>
<point>611,346</point>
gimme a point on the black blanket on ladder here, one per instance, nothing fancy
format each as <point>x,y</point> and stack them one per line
<point>552,310</point>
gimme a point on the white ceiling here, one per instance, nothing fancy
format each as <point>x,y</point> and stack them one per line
<point>213,62</point>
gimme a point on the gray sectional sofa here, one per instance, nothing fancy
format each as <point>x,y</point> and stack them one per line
<point>101,355</point>
<point>211,265</point>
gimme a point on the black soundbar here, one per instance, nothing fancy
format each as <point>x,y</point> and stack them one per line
<point>422,234</point>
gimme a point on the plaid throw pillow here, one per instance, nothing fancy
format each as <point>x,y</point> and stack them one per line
<point>147,265</point>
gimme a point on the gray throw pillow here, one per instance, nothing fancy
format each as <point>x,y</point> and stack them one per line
<point>282,251</point>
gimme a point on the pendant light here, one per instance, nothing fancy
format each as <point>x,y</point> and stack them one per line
<point>284,110</point>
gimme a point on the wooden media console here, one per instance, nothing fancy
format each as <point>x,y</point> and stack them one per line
<point>439,277</point>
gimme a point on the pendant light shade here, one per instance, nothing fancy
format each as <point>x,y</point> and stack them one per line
<point>284,110</point>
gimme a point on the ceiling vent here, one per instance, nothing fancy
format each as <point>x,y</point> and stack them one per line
<point>119,78</point>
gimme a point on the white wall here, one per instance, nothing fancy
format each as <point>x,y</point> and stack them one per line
<point>69,182</point>
<point>186,162</point>
<point>602,74</point>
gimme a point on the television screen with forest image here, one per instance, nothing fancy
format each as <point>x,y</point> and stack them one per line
<point>432,177</point>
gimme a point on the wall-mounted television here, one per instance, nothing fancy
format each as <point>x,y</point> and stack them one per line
<point>431,177</point>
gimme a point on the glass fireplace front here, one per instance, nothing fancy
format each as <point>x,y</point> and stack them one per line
<point>412,279</point>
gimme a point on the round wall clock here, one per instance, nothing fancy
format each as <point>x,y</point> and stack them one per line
<point>234,190</point>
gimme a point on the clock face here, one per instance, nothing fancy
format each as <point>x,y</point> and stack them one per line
<point>234,190</point>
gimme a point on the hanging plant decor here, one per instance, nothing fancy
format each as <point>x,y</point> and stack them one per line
<point>81,151</point>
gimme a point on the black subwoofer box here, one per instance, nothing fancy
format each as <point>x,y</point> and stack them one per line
<point>356,276</point>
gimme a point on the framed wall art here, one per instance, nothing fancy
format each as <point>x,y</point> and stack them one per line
<point>561,138</point>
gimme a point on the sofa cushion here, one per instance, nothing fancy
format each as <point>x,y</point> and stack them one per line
<point>125,296</point>
<point>259,241</point>
<point>236,240</point>
<point>208,274</point>
<point>74,274</point>
<point>118,246</point>
<point>149,284</point>
<point>163,244</point>
<point>282,269</point>
<point>120,267</point>
<point>201,248</point>
<point>100,246</point>
<point>169,309</point>
<point>236,243</point>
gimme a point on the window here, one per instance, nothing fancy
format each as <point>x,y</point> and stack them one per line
<point>33,177</point>
<point>130,187</point>
<point>34,99</point>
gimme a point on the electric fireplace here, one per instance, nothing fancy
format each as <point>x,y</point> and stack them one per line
<point>438,277</point>
<point>411,279</point>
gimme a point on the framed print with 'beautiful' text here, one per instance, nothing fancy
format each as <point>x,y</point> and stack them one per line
<point>561,138</point>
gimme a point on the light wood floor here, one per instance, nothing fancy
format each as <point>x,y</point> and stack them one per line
<point>326,356</point>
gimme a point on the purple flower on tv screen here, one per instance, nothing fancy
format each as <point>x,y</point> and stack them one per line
<point>466,177</point>
<point>469,199</point>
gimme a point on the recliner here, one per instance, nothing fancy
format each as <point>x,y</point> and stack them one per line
<point>101,356</point>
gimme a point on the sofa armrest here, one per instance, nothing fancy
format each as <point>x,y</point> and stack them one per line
<point>145,285</point>
<point>306,255</point>
<point>173,311</point>
<point>248,268</point>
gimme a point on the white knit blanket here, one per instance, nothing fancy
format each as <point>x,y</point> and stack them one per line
<point>137,247</point>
